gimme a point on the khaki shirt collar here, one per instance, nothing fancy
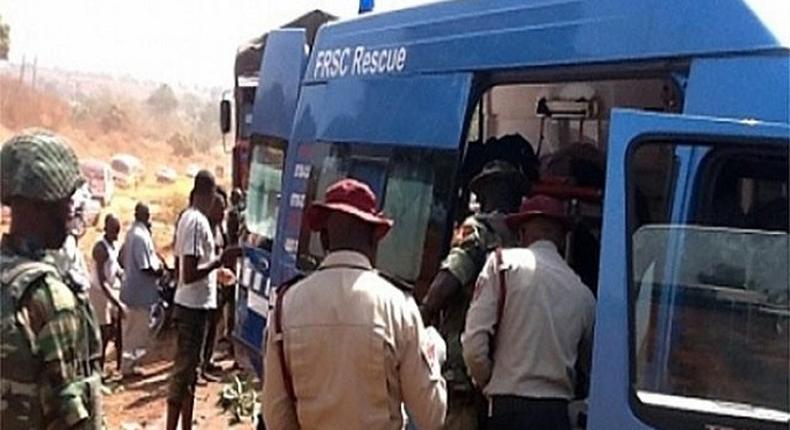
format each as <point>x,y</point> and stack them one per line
<point>346,258</point>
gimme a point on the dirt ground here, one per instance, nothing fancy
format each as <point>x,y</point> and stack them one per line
<point>140,403</point>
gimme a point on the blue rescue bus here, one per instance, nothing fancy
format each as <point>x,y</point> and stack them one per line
<point>687,103</point>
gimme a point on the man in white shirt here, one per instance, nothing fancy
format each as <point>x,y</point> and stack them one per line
<point>195,296</point>
<point>530,320</point>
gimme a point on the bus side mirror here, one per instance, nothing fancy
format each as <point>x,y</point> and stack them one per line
<point>224,116</point>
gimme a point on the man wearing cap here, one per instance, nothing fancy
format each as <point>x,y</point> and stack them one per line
<point>346,348</point>
<point>49,341</point>
<point>196,295</point>
<point>499,187</point>
<point>530,319</point>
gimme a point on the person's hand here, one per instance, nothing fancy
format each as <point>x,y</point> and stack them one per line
<point>230,255</point>
<point>121,310</point>
<point>436,342</point>
<point>225,276</point>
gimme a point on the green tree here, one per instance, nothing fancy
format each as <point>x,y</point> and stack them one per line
<point>163,100</point>
<point>5,39</point>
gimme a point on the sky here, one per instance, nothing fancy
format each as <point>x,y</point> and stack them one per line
<point>191,42</point>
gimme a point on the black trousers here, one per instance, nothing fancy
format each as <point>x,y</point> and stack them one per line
<point>211,336</point>
<point>527,413</point>
<point>192,325</point>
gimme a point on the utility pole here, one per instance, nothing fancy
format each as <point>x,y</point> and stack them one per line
<point>35,68</point>
<point>22,70</point>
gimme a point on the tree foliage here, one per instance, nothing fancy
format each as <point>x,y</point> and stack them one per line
<point>5,39</point>
<point>163,100</point>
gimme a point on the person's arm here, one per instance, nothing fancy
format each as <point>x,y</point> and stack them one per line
<point>192,246</point>
<point>100,258</point>
<point>460,268</point>
<point>145,257</point>
<point>423,387</point>
<point>193,271</point>
<point>122,256</point>
<point>55,320</point>
<point>480,321</point>
<point>279,411</point>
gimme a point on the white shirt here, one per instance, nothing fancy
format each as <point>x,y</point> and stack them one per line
<point>70,260</point>
<point>111,268</point>
<point>194,237</point>
<point>547,321</point>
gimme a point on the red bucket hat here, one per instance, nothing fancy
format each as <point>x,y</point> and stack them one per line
<point>351,197</point>
<point>539,205</point>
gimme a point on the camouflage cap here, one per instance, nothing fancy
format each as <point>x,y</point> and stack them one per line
<point>40,165</point>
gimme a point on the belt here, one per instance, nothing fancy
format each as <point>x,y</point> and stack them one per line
<point>505,404</point>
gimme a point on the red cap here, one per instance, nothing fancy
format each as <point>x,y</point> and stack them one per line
<point>352,197</point>
<point>539,205</point>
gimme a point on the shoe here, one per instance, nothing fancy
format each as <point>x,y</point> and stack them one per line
<point>200,382</point>
<point>209,377</point>
<point>132,374</point>
<point>211,367</point>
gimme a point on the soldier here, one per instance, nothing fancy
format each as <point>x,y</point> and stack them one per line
<point>51,344</point>
<point>345,346</point>
<point>499,187</point>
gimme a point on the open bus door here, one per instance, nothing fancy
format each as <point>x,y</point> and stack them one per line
<point>692,315</point>
<point>282,67</point>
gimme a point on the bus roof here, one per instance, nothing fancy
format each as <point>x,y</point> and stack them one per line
<point>465,35</point>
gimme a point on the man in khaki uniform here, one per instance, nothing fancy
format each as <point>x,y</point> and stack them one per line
<point>346,348</point>
<point>530,321</point>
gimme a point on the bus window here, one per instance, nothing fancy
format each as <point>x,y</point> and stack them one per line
<point>710,298</point>
<point>414,188</point>
<point>244,111</point>
<point>264,188</point>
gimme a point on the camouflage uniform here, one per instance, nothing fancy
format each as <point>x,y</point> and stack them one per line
<point>483,233</point>
<point>50,348</point>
